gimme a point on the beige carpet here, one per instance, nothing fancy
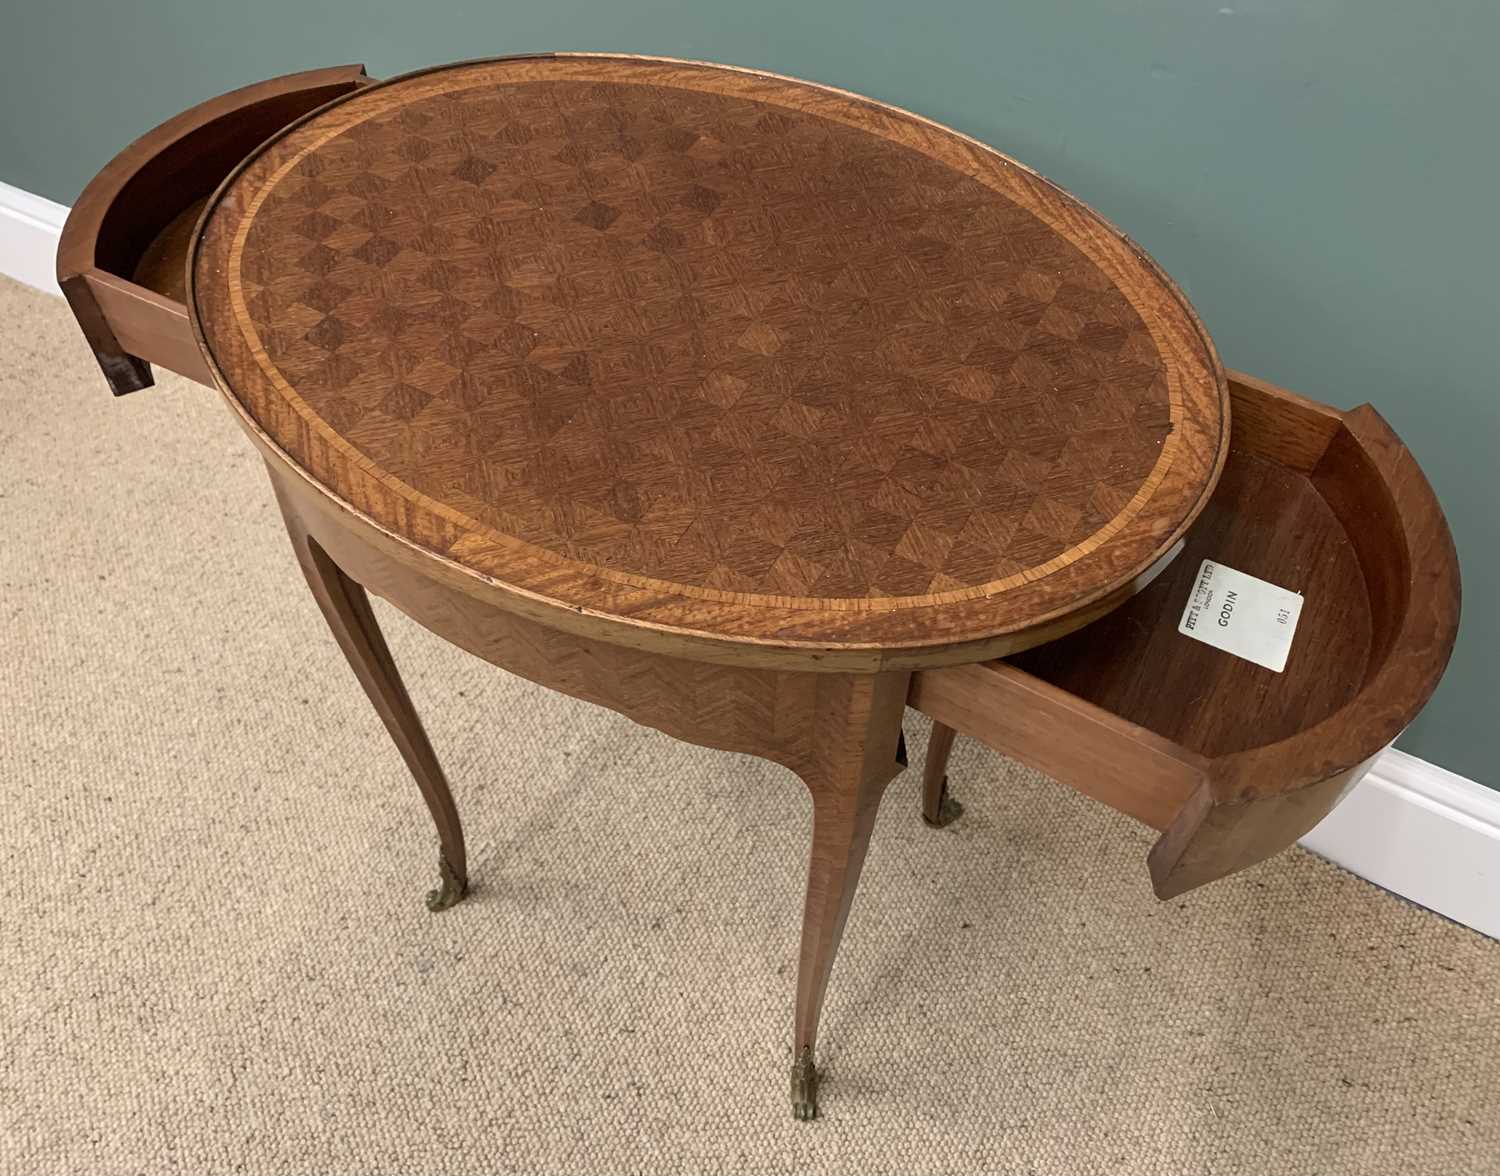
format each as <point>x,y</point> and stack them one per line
<point>216,958</point>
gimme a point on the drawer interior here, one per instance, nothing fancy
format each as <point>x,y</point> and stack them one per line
<point>162,266</point>
<point>1271,522</point>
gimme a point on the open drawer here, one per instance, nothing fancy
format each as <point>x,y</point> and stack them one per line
<point>122,257</point>
<point>1231,761</point>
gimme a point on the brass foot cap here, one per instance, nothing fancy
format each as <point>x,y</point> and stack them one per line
<point>451,888</point>
<point>804,1088</point>
<point>949,810</point>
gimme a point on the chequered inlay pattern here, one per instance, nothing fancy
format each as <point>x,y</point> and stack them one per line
<point>704,339</point>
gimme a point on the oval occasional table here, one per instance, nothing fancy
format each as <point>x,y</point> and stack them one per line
<point>746,407</point>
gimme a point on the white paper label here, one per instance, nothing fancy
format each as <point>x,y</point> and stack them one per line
<point>1241,615</point>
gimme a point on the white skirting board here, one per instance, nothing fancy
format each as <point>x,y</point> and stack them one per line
<point>1423,832</point>
<point>1411,827</point>
<point>29,229</point>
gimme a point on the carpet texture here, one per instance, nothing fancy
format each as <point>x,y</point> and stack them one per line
<point>216,958</point>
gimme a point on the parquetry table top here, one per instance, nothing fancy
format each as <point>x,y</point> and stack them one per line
<point>707,350</point>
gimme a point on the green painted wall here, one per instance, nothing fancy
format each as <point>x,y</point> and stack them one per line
<point>1320,175</point>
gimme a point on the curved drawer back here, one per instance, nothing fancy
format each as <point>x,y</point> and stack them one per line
<point>120,258</point>
<point>1257,802</point>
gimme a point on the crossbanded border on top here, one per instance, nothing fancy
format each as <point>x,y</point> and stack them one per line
<point>1183,474</point>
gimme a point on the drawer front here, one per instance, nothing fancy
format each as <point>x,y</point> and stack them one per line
<point>148,326</point>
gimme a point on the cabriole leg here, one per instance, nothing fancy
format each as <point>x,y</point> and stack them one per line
<point>938,808</point>
<point>855,755</point>
<point>346,608</point>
